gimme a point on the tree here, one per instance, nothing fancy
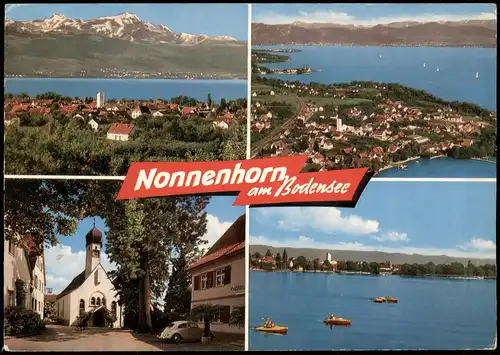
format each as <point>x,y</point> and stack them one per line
<point>209,100</point>
<point>327,266</point>
<point>341,266</point>
<point>470,269</point>
<point>365,267</point>
<point>49,309</point>
<point>234,148</point>
<point>278,260</point>
<point>284,262</point>
<point>268,253</point>
<point>351,265</point>
<point>316,264</point>
<point>316,146</point>
<point>207,312</point>
<point>374,267</point>
<point>257,255</point>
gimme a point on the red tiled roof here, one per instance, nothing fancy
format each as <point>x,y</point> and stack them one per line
<point>188,110</point>
<point>121,128</point>
<point>230,249</point>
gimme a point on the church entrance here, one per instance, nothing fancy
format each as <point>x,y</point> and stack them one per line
<point>99,317</point>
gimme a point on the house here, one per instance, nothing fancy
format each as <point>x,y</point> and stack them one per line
<point>120,131</point>
<point>385,267</point>
<point>219,276</point>
<point>393,148</point>
<point>268,263</point>
<point>157,113</point>
<point>93,124</point>
<point>318,158</point>
<point>25,264</point>
<point>327,145</point>
<point>91,291</point>
<point>189,110</point>
<point>139,111</point>
<point>222,122</point>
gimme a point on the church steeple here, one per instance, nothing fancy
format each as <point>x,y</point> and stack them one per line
<point>93,245</point>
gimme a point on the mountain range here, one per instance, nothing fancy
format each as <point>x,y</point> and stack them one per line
<point>480,33</point>
<point>124,44</point>
<point>369,256</point>
<point>125,26</point>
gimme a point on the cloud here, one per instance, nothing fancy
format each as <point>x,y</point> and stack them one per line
<point>324,219</point>
<point>215,229</point>
<point>63,264</point>
<point>479,245</point>
<point>343,18</point>
<point>310,243</point>
<point>391,237</point>
<point>10,7</point>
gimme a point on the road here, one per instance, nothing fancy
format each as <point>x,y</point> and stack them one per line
<point>64,338</point>
<point>263,142</point>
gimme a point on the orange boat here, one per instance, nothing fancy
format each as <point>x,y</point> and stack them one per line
<point>379,300</point>
<point>277,329</point>
<point>337,321</point>
<point>392,300</point>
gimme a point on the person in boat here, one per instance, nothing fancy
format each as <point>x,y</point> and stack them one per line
<point>332,316</point>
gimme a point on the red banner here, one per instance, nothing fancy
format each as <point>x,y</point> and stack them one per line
<point>257,182</point>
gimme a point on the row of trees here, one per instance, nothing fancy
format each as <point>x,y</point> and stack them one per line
<point>452,269</point>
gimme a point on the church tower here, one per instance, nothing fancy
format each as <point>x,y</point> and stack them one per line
<point>93,247</point>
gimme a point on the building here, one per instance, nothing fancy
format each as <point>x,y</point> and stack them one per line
<point>218,278</point>
<point>120,131</point>
<point>100,99</point>
<point>90,291</point>
<point>338,121</point>
<point>93,124</point>
<point>24,264</point>
<point>334,265</point>
<point>268,263</point>
<point>139,111</point>
<point>329,257</point>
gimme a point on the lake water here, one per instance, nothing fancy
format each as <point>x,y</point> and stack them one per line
<point>443,168</point>
<point>432,313</point>
<point>456,79</point>
<point>139,89</point>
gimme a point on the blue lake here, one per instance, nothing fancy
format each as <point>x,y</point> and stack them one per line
<point>456,79</point>
<point>139,89</point>
<point>432,313</point>
<point>443,168</point>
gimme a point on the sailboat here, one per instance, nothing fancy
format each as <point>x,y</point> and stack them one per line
<point>437,69</point>
<point>477,75</point>
<point>380,56</point>
<point>424,65</point>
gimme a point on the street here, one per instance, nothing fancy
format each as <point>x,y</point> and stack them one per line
<point>64,338</point>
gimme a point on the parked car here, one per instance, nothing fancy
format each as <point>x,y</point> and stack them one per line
<point>182,331</point>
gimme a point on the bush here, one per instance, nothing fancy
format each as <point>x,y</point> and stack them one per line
<point>110,319</point>
<point>22,321</point>
<point>160,319</point>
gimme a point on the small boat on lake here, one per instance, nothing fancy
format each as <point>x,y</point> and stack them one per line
<point>276,329</point>
<point>379,300</point>
<point>392,300</point>
<point>477,75</point>
<point>437,69</point>
<point>337,321</point>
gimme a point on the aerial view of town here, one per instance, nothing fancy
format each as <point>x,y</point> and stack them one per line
<point>53,134</point>
<point>132,41</point>
<point>400,105</point>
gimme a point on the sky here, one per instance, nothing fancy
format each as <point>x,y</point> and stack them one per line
<point>66,260</point>
<point>369,14</point>
<point>210,19</point>
<point>444,218</point>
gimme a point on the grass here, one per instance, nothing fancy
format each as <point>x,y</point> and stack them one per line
<point>63,54</point>
<point>321,100</point>
<point>289,99</point>
<point>260,86</point>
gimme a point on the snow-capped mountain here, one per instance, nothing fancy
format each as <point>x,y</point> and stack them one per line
<point>125,26</point>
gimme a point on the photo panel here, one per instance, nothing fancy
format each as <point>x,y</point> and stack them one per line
<point>90,89</point>
<point>400,271</point>
<point>83,267</point>
<point>406,90</point>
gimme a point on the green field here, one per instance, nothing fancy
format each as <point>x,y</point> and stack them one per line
<point>321,100</point>
<point>64,55</point>
<point>289,99</point>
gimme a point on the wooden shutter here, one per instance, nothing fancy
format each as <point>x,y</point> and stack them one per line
<point>227,275</point>
<point>226,314</point>
<point>210,279</point>
<point>196,283</point>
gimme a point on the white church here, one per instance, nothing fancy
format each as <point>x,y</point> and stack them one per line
<point>91,291</point>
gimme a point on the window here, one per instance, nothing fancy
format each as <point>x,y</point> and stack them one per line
<point>92,301</point>
<point>103,301</point>
<point>58,309</point>
<point>193,325</point>
<point>98,301</point>
<point>96,277</point>
<point>219,278</point>
<point>82,306</point>
<point>183,325</point>
<point>95,253</point>
<point>33,305</point>
<point>11,298</point>
<point>36,282</point>
<point>203,282</point>
<point>11,248</point>
<point>39,306</point>
<point>113,307</point>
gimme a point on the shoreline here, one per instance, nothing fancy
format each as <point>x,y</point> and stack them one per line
<point>455,277</point>
<point>396,164</point>
<point>371,45</point>
<point>484,160</point>
<point>219,78</point>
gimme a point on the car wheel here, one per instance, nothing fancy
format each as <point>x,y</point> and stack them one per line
<point>176,338</point>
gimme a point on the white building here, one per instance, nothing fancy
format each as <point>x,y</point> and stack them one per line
<point>120,131</point>
<point>338,121</point>
<point>329,257</point>
<point>20,264</point>
<point>90,291</point>
<point>219,276</point>
<point>93,124</point>
<point>100,99</point>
